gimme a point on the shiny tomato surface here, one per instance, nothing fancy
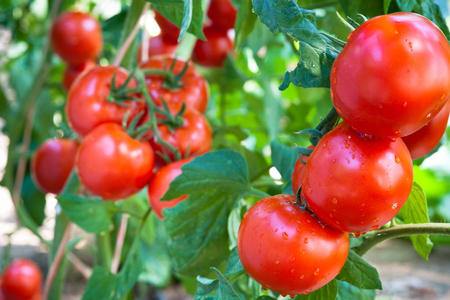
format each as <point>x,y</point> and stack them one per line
<point>213,51</point>
<point>22,280</point>
<point>222,14</point>
<point>72,72</point>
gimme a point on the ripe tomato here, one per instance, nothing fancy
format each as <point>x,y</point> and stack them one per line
<point>76,37</point>
<point>193,138</point>
<point>299,171</point>
<point>357,184</point>
<point>213,51</point>
<point>421,142</point>
<point>71,73</point>
<point>284,248</point>
<point>52,163</point>
<point>194,90</point>
<point>393,76</point>
<point>113,165</point>
<point>159,185</point>
<point>222,14</point>
<point>22,279</point>
<point>87,105</point>
<point>169,31</point>
<point>157,46</point>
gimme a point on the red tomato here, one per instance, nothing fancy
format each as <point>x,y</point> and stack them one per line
<point>157,46</point>
<point>76,37</point>
<point>37,296</point>
<point>393,76</point>
<point>222,14</point>
<point>87,105</point>
<point>193,138</point>
<point>22,279</point>
<point>52,163</point>
<point>113,165</point>
<point>194,90</point>
<point>354,183</point>
<point>213,51</point>
<point>421,142</point>
<point>159,185</point>
<point>284,248</point>
<point>169,31</point>
<point>71,73</point>
<point>299,171</point>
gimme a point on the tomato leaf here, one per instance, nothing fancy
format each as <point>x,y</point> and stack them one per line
<point>245,23</point>
<point>415,211</point>
<point>347,291</point>
<point>327,292</point>
<point>197,226</point>
<point>283,159</point>
<point>358,272</point>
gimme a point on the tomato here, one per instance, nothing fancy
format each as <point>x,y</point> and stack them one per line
<point>194,90</point>
<point>71,73</point>
<point>52,164</point>
<point>213,51</point>
<point>157,46</point>
<point>299,171</point>
<point>87,105</point>
<point>169,31</point>
<point>222,14</point>
<point>113,165</point>
<point>194,137</point>
<point>393,75</point>
<point>76,37</point>
<point>354,183</point>
<point>22,279</point>
<point>284,248</point>
<point>159,185</point>
<point>421,142</point>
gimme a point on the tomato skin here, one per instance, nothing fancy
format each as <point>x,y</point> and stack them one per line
<point>284,248</point>
<point>22,279</point>
<point>71,73</point>
<point>159,185</point>
<point>421,142</point>
<point>157,46</point>
<point>222,14</point>
<point>392,76</point>
<point>194,91</point>
<point>52,164</point>
<point>87,105</point>
<point>357,184</point>
<point>299,171</point>
<point>76,37</point>
<point>113,165</point>
<point>169,31</point>
<point>213,51</point>
<point>193,138</point>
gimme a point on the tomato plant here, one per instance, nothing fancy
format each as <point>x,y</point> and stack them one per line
<point>22,280</point>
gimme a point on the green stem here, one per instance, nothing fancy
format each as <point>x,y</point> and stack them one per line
<point>104,250</point>
<point>402,231</point>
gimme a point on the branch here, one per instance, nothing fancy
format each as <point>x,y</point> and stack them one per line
<point>119,244</point>
<point>81,267</point>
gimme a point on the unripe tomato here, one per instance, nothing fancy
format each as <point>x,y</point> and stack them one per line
<point>169,31</point>
<point>52,163</point>
<point>159,185</point>
<point>354,183</point>
<point>113,165</point>
<point>193,89</point>
<point>157,46</point>
<point>421,142</point>
<point>299,170</point>
<point>76,37</point>
<point>22,280</point>
<point>213,51</point>
<point>222,14</point>
<point>284,248</point>
<point>393,75</point>
<point>87,105</point>
<point>71,73</point>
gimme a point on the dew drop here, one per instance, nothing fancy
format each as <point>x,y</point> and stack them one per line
<point>285,236</point>
<point>316,272</point>
<point>353,156</point>
<point>292,259</point>
<point>361,166</point>
<point>335,201</point>
<point>276,229</point>
<point>338,109</point>
<point>335,81</point>
<point>405,104</point>
<point>443,97</point>
<point>429,115</point>
<point>375,220</point>
<point>375,227</point>
<point>310,190</point>
<point>331,215</point>
<point>347,145</point>
<point>337,222</point>
<point>410,46</point>
<point>277,262</point>
<point>334,70</point>
<point>325,144</point>
<point>302,277</point>
<point>324,277</point>
<point>398,131</point>
<point>299,229</point>
<point>353,148</point>
<point>305,293</point>
<point>266,287</point>
<point>397,159</point>
<point>397,21</point>
<point>313,233</point>
<point>292,296</point>
<point>396,32</point>
<point>356,235</point>
<point>303,252</point>
<point>292,271</point>
<point>394,206</point>
<point>306,240</point>
<point>334,160</point>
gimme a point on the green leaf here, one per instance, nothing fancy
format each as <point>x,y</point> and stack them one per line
<point>205,288</point>
<point>272,108</point>
<point>415,211</point>
<point>350,7</point>
<point>234,267</point>
<point>234,221</point>
<point>245,23</point>
<point>197,226</point>
<point>359,273</point>
<point>101,285</point>
<point>34,200</point>
<point>386,4</point>
<point>328,292</point>
<point>347,291</point>
<point>225,291</point>
<point>283,158</point>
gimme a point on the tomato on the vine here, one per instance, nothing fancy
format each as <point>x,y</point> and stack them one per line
<point>191,89</point>
<point>213,51</point>
<point>52,163</point>
<point>72,72</point>
<point>22,280</point>
<point>356,183</point>
<point>222,14</point>
<point>393,75</point>
<point>159,185</point>
<point>421,142</point>
<point>113,165</point>
<point>87,105</point>
<point>76,37</point>
<point>299,171</point>
<point>284,248</point>
<point>169,31</point>
<point>157,45</point>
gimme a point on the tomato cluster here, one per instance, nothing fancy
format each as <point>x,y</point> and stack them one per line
<point>391,85</point>
<point>21,280</point>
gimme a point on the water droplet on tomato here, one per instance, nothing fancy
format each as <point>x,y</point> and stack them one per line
<point>375,227</point>
<point>276,229</point>
<point>396,32</point>
<point>443,97</point>
<point>277,262</point>
<point>356,235</point>
<point>324,277</point>
<point>306,240</point>
<point>334,70</point>
<point>375,220</point>
<point>302,277</point>
<point>347,145</point>
<point>429,115</point>
<point>335,201</point>
<point>353,156</point>
<point>292,259</point>
<point>338,109</point>
<point>285,236</point>
<point>394,206</point>
<point>292,271</point>
<point>397,159</point>
<point>316,272</point>
<point>310,190</point>
<point>405,104</point>
<point>303,252</point>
